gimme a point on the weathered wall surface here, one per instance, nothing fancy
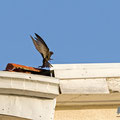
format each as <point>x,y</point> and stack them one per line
<point>87,113</point>
<point>27,107</point>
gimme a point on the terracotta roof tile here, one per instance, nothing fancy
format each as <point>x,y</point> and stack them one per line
<point>12,67</point>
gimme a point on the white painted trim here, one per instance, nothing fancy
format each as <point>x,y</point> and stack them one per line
<point>28,85</point>
<point>86,66</point>
<point>72,71</point>
<point>84,86</point>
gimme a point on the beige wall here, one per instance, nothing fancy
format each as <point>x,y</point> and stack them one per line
<point>5,117</point>
<point>87,113</point>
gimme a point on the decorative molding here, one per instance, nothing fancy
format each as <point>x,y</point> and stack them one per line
<point>28,85</point>
<point>88,84</point>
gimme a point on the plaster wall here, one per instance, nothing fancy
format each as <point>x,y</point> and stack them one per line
<point>19,108</point>
<point>87,113</point>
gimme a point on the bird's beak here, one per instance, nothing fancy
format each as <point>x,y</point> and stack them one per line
<point>51,59</point>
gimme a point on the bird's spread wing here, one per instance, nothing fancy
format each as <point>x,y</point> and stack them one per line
<point>40,45</point>
<point>41,40</point>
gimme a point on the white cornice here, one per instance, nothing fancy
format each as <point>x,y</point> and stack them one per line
<point>88,84</point>
<point>28,85</point>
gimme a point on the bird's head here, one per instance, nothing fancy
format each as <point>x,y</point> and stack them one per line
<point>51,53</point>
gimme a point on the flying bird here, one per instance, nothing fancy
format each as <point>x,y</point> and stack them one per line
<point>43,50</point>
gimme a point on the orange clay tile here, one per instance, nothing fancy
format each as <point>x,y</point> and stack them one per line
<point>21,68</point>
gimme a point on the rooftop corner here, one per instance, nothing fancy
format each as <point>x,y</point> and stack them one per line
<point>88,84</point>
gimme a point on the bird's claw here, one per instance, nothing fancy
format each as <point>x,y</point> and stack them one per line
<point>40,66</point>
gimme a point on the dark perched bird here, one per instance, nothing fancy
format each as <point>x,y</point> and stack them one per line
<point>43,50</point>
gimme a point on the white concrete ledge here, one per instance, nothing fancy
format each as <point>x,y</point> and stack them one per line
<point>88,84</point>
<point>28,85</point>
<point>84,86</point>
<point>93,70</point>
<point>27,96</point>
